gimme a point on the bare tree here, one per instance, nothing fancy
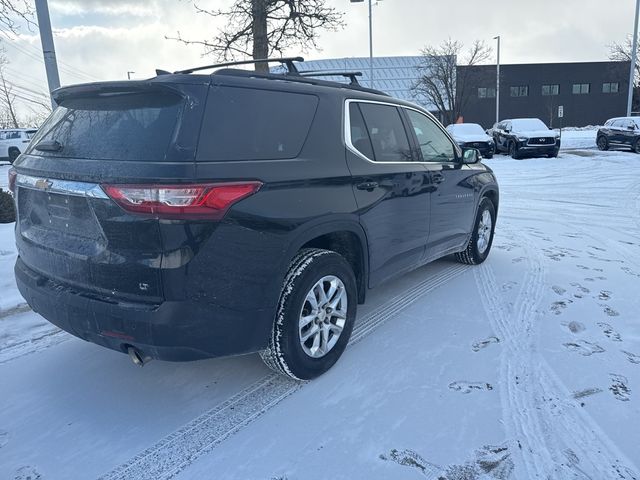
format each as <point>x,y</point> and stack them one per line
<point>259,28</point>
<point>7,98</point>
<point>441,82</point>
<point>14,11</point>
<point>621,52</point>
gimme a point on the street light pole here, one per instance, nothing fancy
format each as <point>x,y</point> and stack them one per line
<point>48,48</point>
<point>634,52</point>
<point>498,80</point>
<point>370,39</point>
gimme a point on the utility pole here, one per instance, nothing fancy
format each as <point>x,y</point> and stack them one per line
<point>634,55</point>
<point>498,80</point>
<point>48,48</point>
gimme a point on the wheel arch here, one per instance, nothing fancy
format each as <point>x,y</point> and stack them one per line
<point>492,193</point>
<point>344,237</point>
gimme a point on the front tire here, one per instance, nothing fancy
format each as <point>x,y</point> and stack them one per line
<point>602,143</point>
<point>513,150</point>
<point>636,146</point>
<point>315,315</point>
<point>479,246</point>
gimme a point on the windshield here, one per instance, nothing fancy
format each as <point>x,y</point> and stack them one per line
<point>524,124</point>
<point>124,126</point>
<point>466,129</point>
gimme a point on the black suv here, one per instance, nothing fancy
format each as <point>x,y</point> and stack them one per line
<point>620,132</point>
<point>192,216</point>
<point>522,137</point>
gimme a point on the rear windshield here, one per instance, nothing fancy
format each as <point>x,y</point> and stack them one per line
<point>251,124</point>
<point>119,126</point>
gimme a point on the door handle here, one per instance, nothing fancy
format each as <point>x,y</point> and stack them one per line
<point>367,186</point>
<point>437,178</point>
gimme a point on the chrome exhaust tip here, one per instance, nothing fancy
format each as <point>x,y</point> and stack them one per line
<point>137,357</point>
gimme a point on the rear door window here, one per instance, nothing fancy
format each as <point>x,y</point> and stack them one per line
<point>118,126</point>
<point>385,128</point>
<point>253,124</point>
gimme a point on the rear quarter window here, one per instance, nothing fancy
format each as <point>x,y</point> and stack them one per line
<point>252,124</point>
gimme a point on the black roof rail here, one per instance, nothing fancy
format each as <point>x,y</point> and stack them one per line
<point>352,76</point>
<point>286,61</point>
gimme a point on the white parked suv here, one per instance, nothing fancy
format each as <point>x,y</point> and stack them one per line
<point>14,142</point>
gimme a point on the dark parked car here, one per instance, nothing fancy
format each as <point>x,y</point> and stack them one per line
<point>472,135</point>
<point>192,216</point>
<point>522,137</point>
<point>622,132</point>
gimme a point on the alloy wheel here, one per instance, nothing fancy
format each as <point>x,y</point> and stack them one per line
<point>484,231</point>
<point>323,316</point>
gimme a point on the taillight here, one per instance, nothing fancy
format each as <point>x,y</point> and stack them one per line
<point>13,175</point>
<point>210,201</point>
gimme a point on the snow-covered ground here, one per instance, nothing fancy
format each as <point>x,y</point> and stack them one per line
<point>578,138</point>
<point>527,367</point>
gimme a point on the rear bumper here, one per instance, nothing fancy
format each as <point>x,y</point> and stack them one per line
<point>172,331</point>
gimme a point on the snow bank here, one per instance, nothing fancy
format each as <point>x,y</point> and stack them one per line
<point>578,137</point>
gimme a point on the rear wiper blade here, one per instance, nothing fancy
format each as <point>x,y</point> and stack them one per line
<point>49,146</point>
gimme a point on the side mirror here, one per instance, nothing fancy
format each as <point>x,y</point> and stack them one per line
<point>470,156</point>
<point>506,130</point>
<point>631,127</point>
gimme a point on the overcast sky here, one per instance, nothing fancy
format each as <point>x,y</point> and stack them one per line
<point>103,39</point>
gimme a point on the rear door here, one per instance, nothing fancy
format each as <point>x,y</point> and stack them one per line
<point>453,194</point>
<point>615,132</point>
<point>392,189</point>
<point>628,133</point>
<point>68,229</point>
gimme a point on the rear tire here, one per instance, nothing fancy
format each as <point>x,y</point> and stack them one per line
<point>13,154</point>
<point>479,246</point>
<point>602,143</point>
<point>312,273</point>
<point>636,146</point>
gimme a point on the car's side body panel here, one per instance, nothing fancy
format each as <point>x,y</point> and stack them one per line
<point>182,289</point>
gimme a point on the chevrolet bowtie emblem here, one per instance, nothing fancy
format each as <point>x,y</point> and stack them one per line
<point>43,184</point>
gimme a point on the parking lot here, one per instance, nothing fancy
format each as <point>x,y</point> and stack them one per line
<point>525,367</point>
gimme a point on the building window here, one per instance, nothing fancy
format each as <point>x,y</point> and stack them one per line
<point>613,87</point>
<point>550,90</point>
<point>581,88</point>
<point>520,91</point>
<point>486,92</point>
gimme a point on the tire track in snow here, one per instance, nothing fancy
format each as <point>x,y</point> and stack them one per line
<point>23,307</point>
<point>33,345</point>
<point>556,438</point>
<point>177,451</point>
